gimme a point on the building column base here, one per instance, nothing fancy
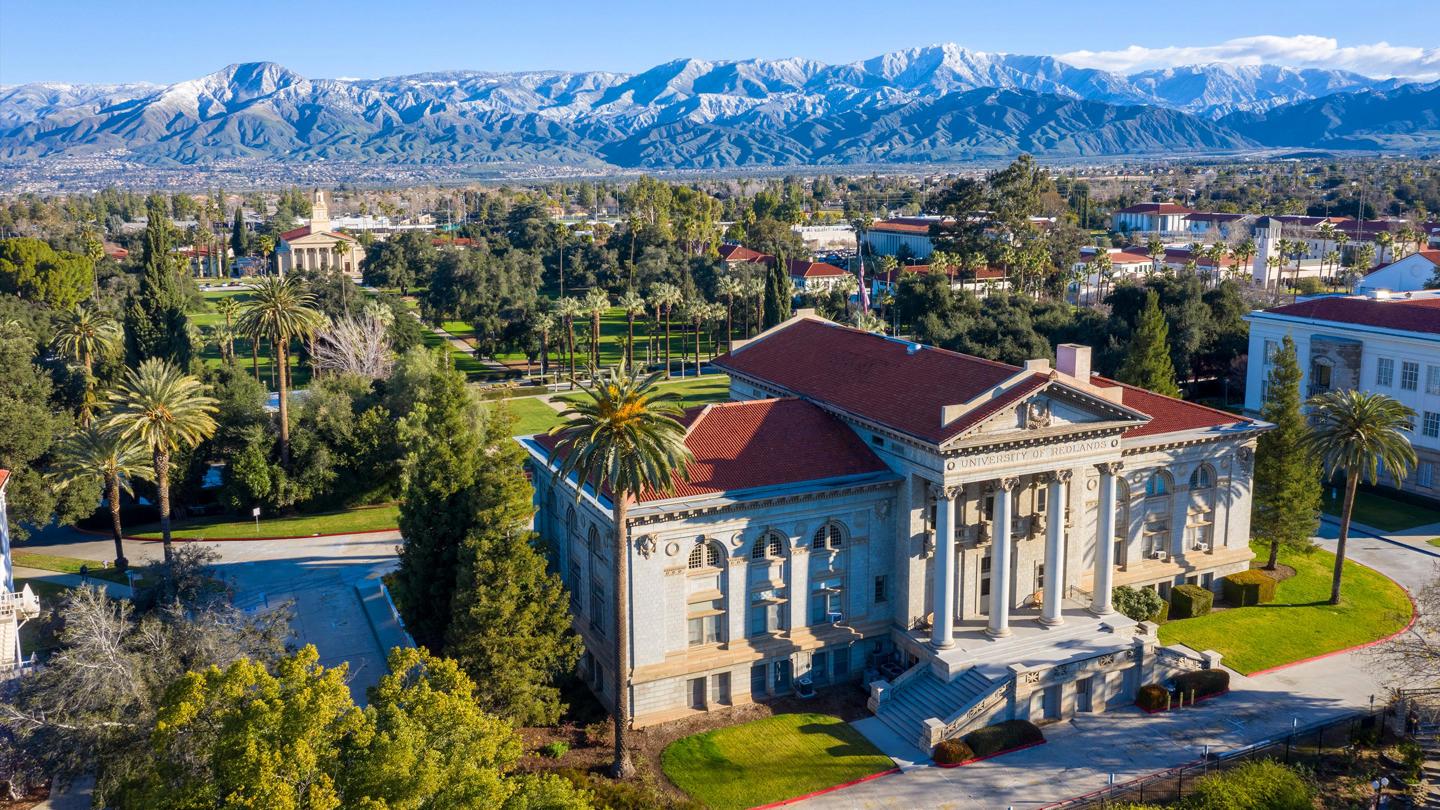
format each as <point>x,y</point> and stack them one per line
<point>1047,621</point>
<point>997,632</point>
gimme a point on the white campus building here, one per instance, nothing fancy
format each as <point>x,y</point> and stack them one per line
<point>16,607</point>
<point>316,246</point>
<point>803,548</point>
<point>1381,342</point>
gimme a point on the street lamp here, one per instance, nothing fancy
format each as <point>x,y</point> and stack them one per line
<point>1379,785</point>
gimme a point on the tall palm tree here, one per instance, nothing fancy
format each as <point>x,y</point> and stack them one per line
<point>596,304</point>
<point>1383,241</point>
<point>83,335</point>
<point>543,323</point>
<point>755,290</point>
<point>622,438</point>
<point>166,410</point>
<point>104,458</point>
<point>730,288</point>
<point>280,310</point>
<point>634,305</point>
<point>266,245</point>
<point>1244,254</point>
<point>665,297</point>
<point>566,309</point>
<point>1358,433</point>
<point>229,309</point>
<point>1155,249</point>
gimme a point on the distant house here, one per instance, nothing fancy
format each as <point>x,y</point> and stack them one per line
<point>732,253</point>
<point>908,235</point>
<point>1162,218</point>
<point>814,277</point>
<point>116,252</point>
<point>312,247</point>
<point>1409,274</point>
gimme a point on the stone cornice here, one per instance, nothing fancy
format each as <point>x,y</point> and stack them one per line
<point>683,511</point>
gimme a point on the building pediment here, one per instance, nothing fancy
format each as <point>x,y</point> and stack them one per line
<point>1054,409</point>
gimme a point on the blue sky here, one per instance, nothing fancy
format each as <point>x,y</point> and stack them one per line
<point>167,40</point>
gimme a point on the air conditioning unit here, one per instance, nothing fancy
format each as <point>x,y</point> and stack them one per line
<point>1157,554</point>
<point>1201,547</point>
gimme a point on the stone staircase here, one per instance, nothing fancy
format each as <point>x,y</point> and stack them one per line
<point>924,695</point>
<point>1429,739</point>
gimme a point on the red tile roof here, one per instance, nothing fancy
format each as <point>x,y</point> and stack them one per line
<point>1415,315</point>
<point>740,253</point>
<point>907,225</point>
<point>763,443</point>
<point>4,476</point>
<point>1432,256</point>
<point>986,273</point>
<point>304,230</point>
<point>801,268</point>
<point>889,382</point>
<point>1155,208</point>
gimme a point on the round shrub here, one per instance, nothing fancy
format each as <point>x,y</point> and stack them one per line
<point>1138,604</point>
<point>1189,601</point>
<point>1152,698</point>
<point>1259,785</point>
<point>1202,683</point>
<point>953,752</point>
<point>556,749</point>
<point>1250,587</point>
<point>1004,736</point>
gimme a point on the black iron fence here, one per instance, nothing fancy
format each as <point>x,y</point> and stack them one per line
<point>1319,746</point>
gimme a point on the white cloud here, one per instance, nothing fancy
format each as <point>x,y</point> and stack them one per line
<point>1379,59</point>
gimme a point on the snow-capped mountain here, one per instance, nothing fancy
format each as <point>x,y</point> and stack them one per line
<point>939,102</point>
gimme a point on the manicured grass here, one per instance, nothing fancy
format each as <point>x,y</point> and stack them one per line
<point>1299,624</point>
<point>459,329</point>
<point>531,415</point>
<point>465,362</point>
<point>67,565</point>
<point>351,520</point>
<point>1380,511</point>
<point>695,391</point>
<point>770,760</point>
<point>1434,541</point>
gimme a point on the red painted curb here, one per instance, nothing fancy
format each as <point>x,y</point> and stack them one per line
<point>991,756</point>
<point>1414,617</point>
<point>852,783</point>
<point>234,539</point>
<point>1177,708</point>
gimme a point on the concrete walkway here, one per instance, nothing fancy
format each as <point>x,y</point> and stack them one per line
<point>1082,754</point>
<point>114,590</point>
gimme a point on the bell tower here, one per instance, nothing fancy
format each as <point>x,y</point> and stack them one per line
<point>319,213</point>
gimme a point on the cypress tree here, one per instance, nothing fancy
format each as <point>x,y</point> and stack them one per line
<point>777,293</point>
<point>155,320</point>
<point>438,507</point>
<point>511,624</point>
<point>239,239</point>
<point>1147,363</point>
<point>1286,508</point>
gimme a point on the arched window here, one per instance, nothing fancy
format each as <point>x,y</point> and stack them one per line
<point>827,535</point>
<point>1158,484</point>
<point>592,538</point>
<point>704,555</point>
<point>1202,478</point>
<point>769,545</point>
<point>570,522</point>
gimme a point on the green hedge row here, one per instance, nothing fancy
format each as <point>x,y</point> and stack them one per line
<point>1152,698</point>
<point>1201,683</point>
<point>1189,601</point>
<point>1250,587</point>
<point>953,752</point>
<point>1002,737</point>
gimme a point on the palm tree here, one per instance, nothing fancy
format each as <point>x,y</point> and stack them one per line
<point>634,305</point>
<point>266,245</point>
<point>755,289</point>
<point>1155,249</point>
<point>1358,433</point>
<point>596,304</point>
<point>1244,254</point>
<point>166,410</point>
<point>731,288</point>
<point>543,323</point>
<point>83,335</point>
<point>95,456</point>
<point>665,297</point>
<point>229,309</point>
<point>566,309</point>
<point>1383,241</point>
<point>281,309</point>
<point>622,438</point>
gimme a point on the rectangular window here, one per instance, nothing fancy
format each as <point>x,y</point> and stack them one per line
<point>1270,348</point>
<point>1409,376</point>
<point>1040,576</point>
<point>1385,371</point>
<point>765,612</point>
<point>1119,559</point>
<point>1432,379</point>
<point>825,607</point>
<point>705,622</point>
<point>1425,474</point>
<point>575,585</point>
<point>882,594</point>
<point>597,607</point>
<point>984,577</point>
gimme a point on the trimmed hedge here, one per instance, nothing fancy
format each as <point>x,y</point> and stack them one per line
<point>1189,601</point>
<point>1163,614</point>
<point>1002,737</point>
<point>1202,682</point>
<point>1152,698</point>
<point>953,752</point>
<point>1249,587</point>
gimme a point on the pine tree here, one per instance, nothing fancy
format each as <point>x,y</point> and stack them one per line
<point>511,626</point>
<point>239,239</point>
<point>1147,363</point>
<point>438,508</point>
<point>155,320</point>
<point>1287,475</point>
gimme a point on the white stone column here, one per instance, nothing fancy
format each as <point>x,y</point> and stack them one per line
<point>942,585</point>
<point>999,626</point>
<point>798,586</point>
<point>1052,616</point>
<point>1105,540</point>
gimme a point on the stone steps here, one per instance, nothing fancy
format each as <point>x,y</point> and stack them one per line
<point>925,696</point>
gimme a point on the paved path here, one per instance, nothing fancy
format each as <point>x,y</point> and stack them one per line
<point>1081,754</point>
<point>114,589</point>
<point>319,574</point>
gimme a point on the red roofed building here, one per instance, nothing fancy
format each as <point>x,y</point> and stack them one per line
<point>315,246</point>
<point>813,277</point>
<point>865,505</point>
<point>902,236</point>
<point>1410,274</point>
<point>1161,218</point>
<point>1381,342</point>
<point>979,281</point>
<point>732,253</point>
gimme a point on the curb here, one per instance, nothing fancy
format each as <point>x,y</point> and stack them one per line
<point>992,756</point>
<point>1414,617</point>
<point>821,792</point>
<point>138,539</point>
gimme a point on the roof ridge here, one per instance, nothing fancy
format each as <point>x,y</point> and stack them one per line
<point>1237,417</point>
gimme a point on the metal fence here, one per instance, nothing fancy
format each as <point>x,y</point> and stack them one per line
<point>1308,745</point>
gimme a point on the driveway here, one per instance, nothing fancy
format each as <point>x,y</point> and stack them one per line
<point>1081,755</point>
<point>318,574</point>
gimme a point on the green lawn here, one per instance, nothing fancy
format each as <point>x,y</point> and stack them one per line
<point>1374,509</point>
<point>1299,624</point>
<point>695,391</point>
<point>350,520</point>
<point>770,760</point>
<point>67,565</point>
<point>210,354</point>
<point>459,329</point>
<point>613,330</point>
<point>531,415</point>
<point>1434,541</point>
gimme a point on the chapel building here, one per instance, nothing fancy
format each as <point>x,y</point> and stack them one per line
<point>943,529</point>
<point>316,246</point>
